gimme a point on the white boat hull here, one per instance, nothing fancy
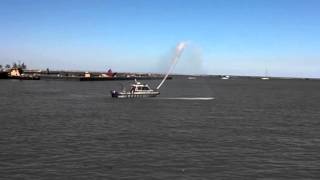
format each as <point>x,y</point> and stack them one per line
<point>116,94</point>
<point>265,78</point>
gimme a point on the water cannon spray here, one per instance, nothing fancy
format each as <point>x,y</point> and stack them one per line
<point>179,49</point>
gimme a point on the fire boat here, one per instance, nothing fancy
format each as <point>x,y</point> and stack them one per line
<point>139,90</point>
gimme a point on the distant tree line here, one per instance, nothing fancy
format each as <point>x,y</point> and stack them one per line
<point>14,65</point>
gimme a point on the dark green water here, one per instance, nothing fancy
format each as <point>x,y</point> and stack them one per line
<point>73,130</point>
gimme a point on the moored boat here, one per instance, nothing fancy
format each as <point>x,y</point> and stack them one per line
<point>17,73</point>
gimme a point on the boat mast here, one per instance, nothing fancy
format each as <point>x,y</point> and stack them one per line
<point>266,73</point>
<point>179,49</point>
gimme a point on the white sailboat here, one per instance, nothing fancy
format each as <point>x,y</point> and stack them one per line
<point>225,77</point>
<point>266,75</point>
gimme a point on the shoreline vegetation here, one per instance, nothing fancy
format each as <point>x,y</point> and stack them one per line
<point>20,71</point>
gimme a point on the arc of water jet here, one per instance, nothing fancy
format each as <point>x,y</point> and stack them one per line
<point>179,49</point>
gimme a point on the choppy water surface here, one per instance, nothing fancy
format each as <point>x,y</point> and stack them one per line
<point>73,130</point>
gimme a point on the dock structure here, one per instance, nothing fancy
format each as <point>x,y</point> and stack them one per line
<point>17,73</point>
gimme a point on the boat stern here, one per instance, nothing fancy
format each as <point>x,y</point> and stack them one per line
<point>114,94</point>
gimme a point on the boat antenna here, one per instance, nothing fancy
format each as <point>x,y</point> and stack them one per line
<point>179,49</point>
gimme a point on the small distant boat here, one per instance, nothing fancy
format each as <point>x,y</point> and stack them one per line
<point>191,78</point>
<point>266,76</point>
<point>137,90</point>
<point>225,77</point>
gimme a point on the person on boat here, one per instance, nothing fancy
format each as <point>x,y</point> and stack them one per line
<point>132,89</point>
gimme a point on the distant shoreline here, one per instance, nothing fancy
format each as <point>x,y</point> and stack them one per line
<point>70,74</point>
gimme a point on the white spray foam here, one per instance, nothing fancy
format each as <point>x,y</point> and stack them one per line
<point>179,49</point>
<point>188,98</point>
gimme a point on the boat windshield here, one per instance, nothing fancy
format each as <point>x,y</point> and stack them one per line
<point>143,88</point>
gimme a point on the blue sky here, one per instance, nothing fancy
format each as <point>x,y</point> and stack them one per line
<point>242,37</point>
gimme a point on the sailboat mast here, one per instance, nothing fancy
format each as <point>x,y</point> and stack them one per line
<point>266,73</point>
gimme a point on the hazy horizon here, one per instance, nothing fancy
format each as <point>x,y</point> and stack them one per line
<point>225,37</point>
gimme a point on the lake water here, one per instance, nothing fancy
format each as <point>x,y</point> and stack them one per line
<point>252,129</point>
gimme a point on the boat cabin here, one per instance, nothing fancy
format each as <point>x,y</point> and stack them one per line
<point>15,72</point>
<point>87,75</point>
<point>138,87</point>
